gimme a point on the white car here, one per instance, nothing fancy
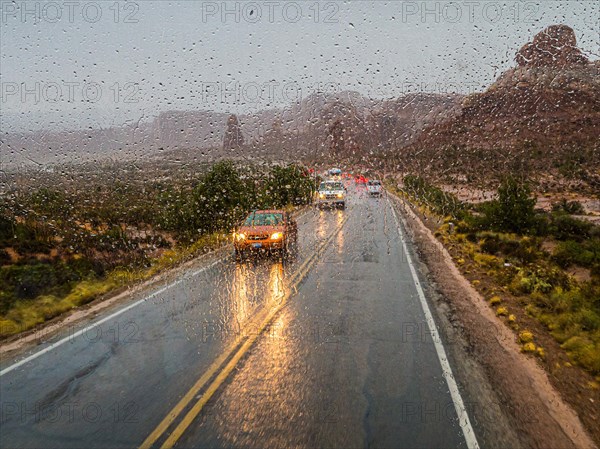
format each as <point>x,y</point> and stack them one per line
<point>335,174</point>
<point>331,193</point>
<point>374,188</point>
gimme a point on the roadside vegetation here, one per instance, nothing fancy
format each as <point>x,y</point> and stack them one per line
<point>64,246</point>
<point>548,263</point>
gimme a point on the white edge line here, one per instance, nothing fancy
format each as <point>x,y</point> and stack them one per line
<point>104,320</point>
<point>461,411</point>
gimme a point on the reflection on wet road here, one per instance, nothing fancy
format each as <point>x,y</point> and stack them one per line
<point>331,367</point>
<point>335,368</point>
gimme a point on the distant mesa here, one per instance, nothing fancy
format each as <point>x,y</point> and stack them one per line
<point>541,116</point>
<point>555,46</point>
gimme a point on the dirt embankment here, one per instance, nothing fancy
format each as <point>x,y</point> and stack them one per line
<point>513,403</point>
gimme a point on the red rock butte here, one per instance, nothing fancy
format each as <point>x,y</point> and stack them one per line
<point>554,46</point>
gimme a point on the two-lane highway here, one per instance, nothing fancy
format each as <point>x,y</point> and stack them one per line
<point>328,350</point>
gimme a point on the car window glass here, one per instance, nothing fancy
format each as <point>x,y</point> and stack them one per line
<point>264,219</point>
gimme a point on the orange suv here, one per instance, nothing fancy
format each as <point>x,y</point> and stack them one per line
<point>266,230</point>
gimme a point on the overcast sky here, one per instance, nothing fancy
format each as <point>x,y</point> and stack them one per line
<point>80,63</point>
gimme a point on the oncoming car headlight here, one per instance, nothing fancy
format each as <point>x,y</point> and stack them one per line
<point>276,235</point>
<point>239,237</point>
<point>322,196</point>
<point>340,195</point>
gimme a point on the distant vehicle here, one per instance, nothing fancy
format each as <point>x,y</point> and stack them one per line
<point>266,230</point>
<point>331,193</point>
<point>335,174</point>
<point>374,188</point>
<point>360,179</point>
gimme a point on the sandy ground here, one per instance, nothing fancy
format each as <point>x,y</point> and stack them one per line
<point>513,391</point>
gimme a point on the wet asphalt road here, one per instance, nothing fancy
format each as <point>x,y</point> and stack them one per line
<point>346,363</point>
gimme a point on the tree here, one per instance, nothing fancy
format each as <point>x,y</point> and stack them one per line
<point>233,139</point>
<point>514,210</point>
<point>218,201</point>
<point>7,225</point>
<point>289,185</point>
<point>336,132</point>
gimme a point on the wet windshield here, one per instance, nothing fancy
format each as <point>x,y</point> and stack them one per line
<point>299,224</point>
<point>264,219</point>
<point>331,186</point>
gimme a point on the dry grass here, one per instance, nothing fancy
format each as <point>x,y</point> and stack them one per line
<point>27,314</point>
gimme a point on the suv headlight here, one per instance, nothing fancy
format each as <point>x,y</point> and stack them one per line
<point>322,196</point>
<point>276,235</point>
<point>340,195</point>
<point>239,237</point>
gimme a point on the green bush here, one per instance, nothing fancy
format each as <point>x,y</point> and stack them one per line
<point>525,250</point>
<point>7,227</point>
<point>221,198</point>
<point>513,211</point>
<point>218,201</point>
<point>539,279</point>
<point>5,258</point>
<point>565,227</point>
<point>31,280</point>
<point>584,351</point>
<point>570,252</point>
<point>440,202</point>
<point>569,207</point>
<point>289,185</point>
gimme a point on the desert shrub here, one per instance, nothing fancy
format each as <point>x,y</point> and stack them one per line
<point>490,243</point>
<point>472,237</point>
<point>526,336</point>
<point>289,185</point>
<point>502,311</point>
<point>4,257</point>
<point>7,225</point>
<point>513,211</point>
<point>525,250</point>
<point>440,202</point>
<point>221,198</point>
<point>539,279</point>
<point>32,246</point>
<point>218,201</point>
<point>586,254</point>
<point>495,300</point>
<point>584,352</point>
<point>464,226</point>
<point>566,253</point>
<point>541,225</point>
<point>565,227</point>
<point>487,260</point>
<point>569,207</point>
<point>31,280</point>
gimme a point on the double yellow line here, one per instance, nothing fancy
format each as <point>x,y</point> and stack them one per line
<point>232,356</point>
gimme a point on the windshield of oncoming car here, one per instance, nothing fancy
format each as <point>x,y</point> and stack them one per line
<point>331,186</point>
<point>263,219</point>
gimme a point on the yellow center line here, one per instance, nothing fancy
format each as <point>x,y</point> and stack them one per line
<point>296,278</point>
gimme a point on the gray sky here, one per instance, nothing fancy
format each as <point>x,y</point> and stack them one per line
<point>89,63</point>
